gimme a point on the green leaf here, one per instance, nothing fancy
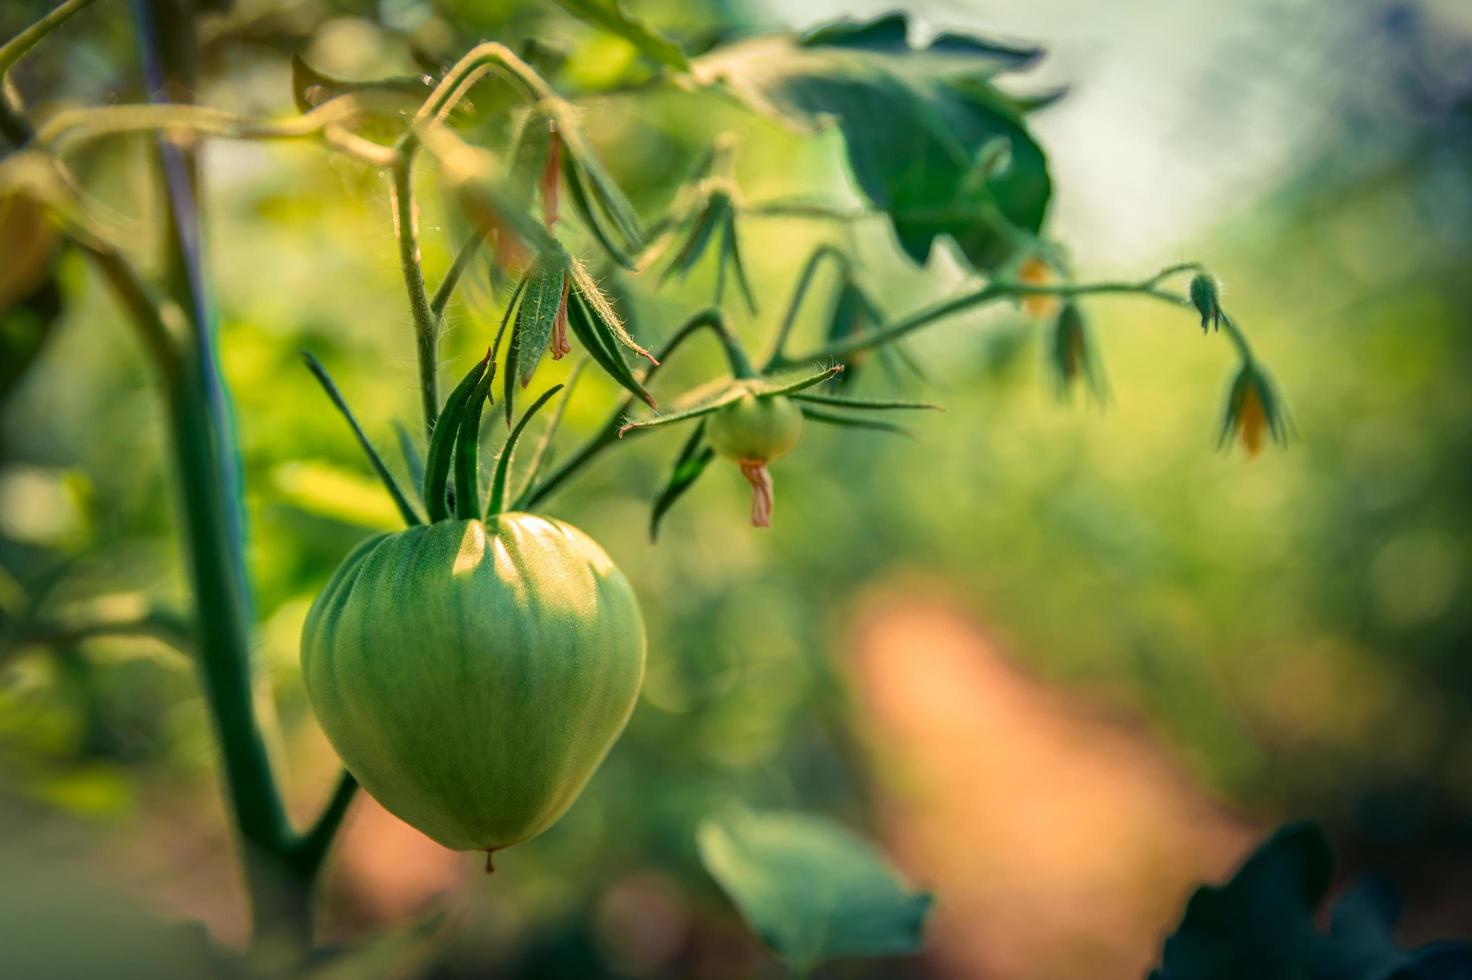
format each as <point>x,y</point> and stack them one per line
<point>611,16</point>
<point>326,490</point>
<point>811,890</point>
<point>1261,924</point>
<point>692,461</point>
<point>942,117</point>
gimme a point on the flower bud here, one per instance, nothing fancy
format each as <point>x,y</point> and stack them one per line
<point>1207,300</point>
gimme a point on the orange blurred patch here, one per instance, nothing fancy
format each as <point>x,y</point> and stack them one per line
<point>1060,842</point>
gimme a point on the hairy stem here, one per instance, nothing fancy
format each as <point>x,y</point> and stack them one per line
<point>992,292</point>
<point>426,324</point>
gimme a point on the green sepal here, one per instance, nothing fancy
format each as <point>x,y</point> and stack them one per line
<point>467,448</point>
<point>588,214</point>
<point>413,459</point>
<point>732,253</point>
<point>601,345</point>
<point>442,442</point>
<point>851,422</point>
<point>866,404</point>
<point>406,510</point>
<point>729,393</point>
<point>692,461</point>
<point>503,465</point>
<point>710,218</point>
<point>792,383</point>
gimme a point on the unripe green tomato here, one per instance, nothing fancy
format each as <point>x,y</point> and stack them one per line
<point>755,428</point>
<point>472,676</point>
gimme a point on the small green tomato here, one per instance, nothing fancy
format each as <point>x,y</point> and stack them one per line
<point>754,431</point>
<point>472,675</point>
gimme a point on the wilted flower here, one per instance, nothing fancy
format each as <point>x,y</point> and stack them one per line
<point>1037,272</point>
<point>1071,354</point>
<point>1254,411</point>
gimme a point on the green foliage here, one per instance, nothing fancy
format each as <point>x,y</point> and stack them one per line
<point>611,16</point>
<point>810,889</point>
<point>1261,924</point>
<point>931,167</point>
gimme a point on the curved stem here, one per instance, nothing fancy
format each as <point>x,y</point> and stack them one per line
<point>989,293</point>
<point>799,293</point>
<point>15,48</point>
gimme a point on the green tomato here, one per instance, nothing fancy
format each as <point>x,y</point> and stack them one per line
<point>756,429</point>
<point>472,676</point>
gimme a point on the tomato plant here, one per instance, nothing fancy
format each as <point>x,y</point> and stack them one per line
<point>473,670</point>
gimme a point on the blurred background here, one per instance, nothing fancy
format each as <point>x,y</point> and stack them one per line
<point>1063,661</point>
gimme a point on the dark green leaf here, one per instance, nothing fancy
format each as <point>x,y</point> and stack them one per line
<point>442,442</point>
<point>1261,924</point>
<point>467,448</point>
<point>939,110</point>
<point>811,890</point>
<point>584,170</point>
<point>611,16</point>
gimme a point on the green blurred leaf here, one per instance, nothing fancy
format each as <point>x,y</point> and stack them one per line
<point>611,16</point>
<point>927,166</point>
<point>810,889</point>
<point>1261,924</point>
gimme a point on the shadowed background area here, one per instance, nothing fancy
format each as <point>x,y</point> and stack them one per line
<point>1063,659</point>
